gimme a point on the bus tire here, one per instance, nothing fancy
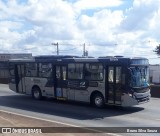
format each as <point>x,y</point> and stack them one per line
<point>98,100</point>
<point>36,93</point>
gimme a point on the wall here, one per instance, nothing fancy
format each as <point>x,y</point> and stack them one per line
<point>154,74</point>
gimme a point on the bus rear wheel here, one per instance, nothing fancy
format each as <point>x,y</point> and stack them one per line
<point>36,93</point>
<point>98,100</point>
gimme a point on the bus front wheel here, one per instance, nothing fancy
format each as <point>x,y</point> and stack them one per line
<point>36,93</point>
<point>98,100</point>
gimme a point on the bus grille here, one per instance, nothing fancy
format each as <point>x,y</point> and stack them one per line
<point>143,99</point>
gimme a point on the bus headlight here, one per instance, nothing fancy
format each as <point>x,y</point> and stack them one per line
<point>130,94</point>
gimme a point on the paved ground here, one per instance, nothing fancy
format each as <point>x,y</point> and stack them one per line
<point>145,115</point>
<point>9,120</point>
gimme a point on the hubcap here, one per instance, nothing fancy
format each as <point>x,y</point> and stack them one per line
<point>36,94</point>
<point>98,101</point>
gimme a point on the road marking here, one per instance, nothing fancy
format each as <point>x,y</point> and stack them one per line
<point>98,131</point>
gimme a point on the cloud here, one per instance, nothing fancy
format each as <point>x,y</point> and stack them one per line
<point>11,25</point>
<point>100,28</point>
<point>107,27</point>
<point>93,4</point>
<point>56,22</point>
<point>139,16</point>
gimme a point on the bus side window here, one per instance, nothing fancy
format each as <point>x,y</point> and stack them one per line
<point>110,74</point>
<point>64,72</point>
<point>58,72</point>
<point>11,69</point>
<point>75,71</point>
<point>31,69</point>
<point>45,69</point>
<point>118,74</point>
<point>94,72</point>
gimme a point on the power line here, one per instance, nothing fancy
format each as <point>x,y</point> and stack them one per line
<point>69,49</point>
<point>85,53</point>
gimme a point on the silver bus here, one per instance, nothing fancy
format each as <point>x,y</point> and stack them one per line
<point>105,80</point>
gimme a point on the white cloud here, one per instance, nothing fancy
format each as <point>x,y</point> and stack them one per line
<point>93,4</point>
<point>50,21</point>
<point>34,25</point>
<point>100,28</point>
<point>11,25</point>
<point>139,16</point>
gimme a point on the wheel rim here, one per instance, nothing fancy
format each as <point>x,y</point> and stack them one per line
<point>36,94</point>
<point>98,101</point>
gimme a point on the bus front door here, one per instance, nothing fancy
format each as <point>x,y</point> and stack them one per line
<point>60,82</point>
<point>19,78</point>
<point>114,85</point>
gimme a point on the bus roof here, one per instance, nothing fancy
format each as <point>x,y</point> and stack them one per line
<point>72,59</point>
<point>22,60</point>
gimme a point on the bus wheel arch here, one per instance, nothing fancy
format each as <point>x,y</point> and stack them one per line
<point>97,99</point>
<point>36,92</point>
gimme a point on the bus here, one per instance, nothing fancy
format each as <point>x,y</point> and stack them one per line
<point>107,80</point>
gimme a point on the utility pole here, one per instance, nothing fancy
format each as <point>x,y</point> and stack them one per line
<point>84,50</point>
<point>56,44</point>
<point>85,53</point>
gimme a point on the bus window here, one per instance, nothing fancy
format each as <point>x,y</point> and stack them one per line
<point>75,71</point>
<point>45,69</point>
<point>64,72</point>
<point>58,72</point>
<point>110,74</point>
<point>31,69</point>
<point>118,74</point>
<point>11,70</point>
<point>94,72</point>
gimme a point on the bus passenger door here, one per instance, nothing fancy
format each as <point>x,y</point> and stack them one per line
<point>114,85</point>
<point>60,82</point>
<point>19,78</point>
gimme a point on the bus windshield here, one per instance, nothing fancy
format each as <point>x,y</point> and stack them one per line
<point>139,77</point>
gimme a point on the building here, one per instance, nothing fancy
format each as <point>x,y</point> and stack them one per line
<point>4,63</point>
<point>154,73</point>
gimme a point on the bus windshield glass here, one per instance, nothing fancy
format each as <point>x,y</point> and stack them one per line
<point>139,77</point>
<point>139,62</point>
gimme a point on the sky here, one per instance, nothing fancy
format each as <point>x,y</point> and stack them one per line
<point>128,28</point>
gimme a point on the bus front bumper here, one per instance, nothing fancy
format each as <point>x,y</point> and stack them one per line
<point>135,99</point>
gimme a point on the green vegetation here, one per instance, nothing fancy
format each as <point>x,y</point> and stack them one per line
<point>157,50</point>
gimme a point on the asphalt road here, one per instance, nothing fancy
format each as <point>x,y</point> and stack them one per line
<point>78,114</point>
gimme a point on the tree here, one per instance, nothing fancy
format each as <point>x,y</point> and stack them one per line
<point>157,50</point>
